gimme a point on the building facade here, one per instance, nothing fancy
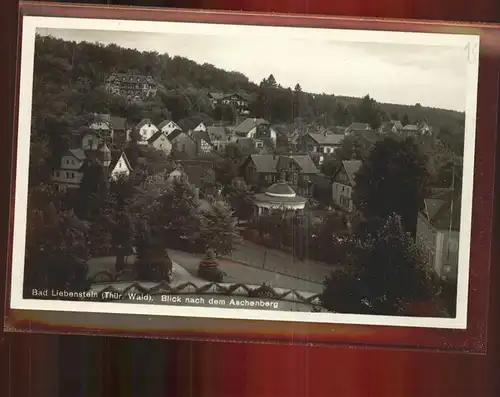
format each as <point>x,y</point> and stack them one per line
<point>131,86</point>
<point>343,184</point>
<point>438,233</point>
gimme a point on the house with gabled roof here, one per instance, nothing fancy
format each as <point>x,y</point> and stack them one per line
<point>321,142</point>
<point>159,141</point>
<point>344,181</point>
<point>183,143</point>
<point>218,137</point>
<point>392,126</point>
<point>438,231</point>
<point>255,128</point>
<point>203,142</point>
<point>104,127</point>
<point>69,175</point>
<point>167,126</point>
<point>262,170</point>
<point>145,130</point>
<point>355,128</point>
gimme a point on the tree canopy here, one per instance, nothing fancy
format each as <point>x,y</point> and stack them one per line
<point>386,272</point>
<point>392,179</point>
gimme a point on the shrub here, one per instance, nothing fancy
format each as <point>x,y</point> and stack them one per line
<point>208,268</point>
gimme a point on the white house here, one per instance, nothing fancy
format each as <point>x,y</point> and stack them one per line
<point>146,129</point>
<point>167,126</point>
<point>438,232</point>
<point>159,141</point>
<point>69,175</point>
<point>343,184</point>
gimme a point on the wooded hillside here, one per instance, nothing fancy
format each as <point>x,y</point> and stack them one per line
<point>84,66</point>
<point>69,86</point>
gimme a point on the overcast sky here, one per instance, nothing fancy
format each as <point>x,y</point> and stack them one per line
<point>395,73</point>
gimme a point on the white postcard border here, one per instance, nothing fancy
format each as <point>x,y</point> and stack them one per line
<point>29,26</point>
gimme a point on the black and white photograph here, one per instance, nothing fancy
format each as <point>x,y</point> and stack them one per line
<point>244,172</point>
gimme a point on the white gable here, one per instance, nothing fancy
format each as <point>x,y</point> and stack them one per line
<point>121,167</point>
<point>201,127</point>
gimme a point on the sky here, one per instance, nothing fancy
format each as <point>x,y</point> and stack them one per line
<point>433,76</point>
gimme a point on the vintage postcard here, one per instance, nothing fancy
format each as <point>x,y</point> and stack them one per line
<point>244,172</point>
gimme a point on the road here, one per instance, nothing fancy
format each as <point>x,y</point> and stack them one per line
<point>235,272</point>
<point>240,273</point>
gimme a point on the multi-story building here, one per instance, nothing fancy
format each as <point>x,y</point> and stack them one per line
<point>344,180</point>
<point>438,232</point>
<point>262,170</point>
<point>131,86</point>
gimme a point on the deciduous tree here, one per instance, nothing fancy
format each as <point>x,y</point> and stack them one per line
<point>392,179</point>
<point>386,273</point>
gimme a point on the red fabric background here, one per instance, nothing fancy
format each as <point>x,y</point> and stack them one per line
<point>49,365</point>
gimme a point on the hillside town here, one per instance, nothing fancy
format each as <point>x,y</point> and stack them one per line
<point>230,196</point>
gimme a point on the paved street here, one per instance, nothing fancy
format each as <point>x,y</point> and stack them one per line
<point>281,262</point>
<point>235,272</point>
<point>240,273</point>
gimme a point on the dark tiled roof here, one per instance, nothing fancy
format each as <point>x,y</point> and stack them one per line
<point>174,134</point>
<point>199,135</point>
<point>268,162</point>
<point>359,126</point>
<point>155,136</point>
<point>188,124</point>
<point>326,139</point>
<point>78,153</point>
<point>306,164</point>
<point>442,210</point>
<point>265,162</point>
